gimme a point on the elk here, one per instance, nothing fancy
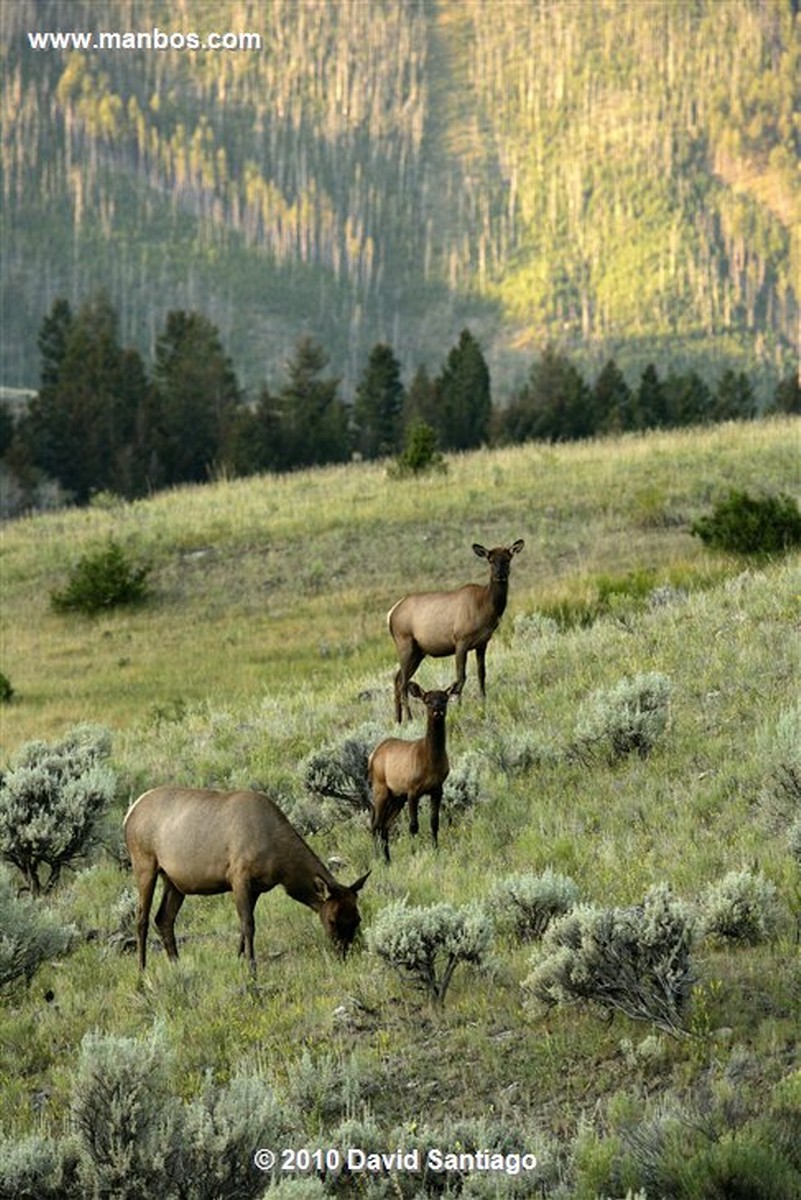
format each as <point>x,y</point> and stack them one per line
<point>444,623</point>
<point>204,842</point>
<point>399,770</point>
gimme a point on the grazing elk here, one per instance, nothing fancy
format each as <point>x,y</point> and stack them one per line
<point>204,842</point>
<point>399,770</point>
<point>444,623</point>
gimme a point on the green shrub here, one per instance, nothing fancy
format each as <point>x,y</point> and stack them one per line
<point>741,907</point>
<point>527,903</point>
<point>427,944</point>
<point>28,936</point>
<point>419,455</point>
<point>50,803</point>
<point>6,690</point>
<point>632,960</point>
<point>102,580</point>
<point>744,524</point>
<point>628,718</point>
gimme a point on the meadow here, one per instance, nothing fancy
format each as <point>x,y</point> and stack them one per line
<point>264,641</point>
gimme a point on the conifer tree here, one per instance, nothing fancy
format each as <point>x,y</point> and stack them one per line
<point>313,420</point>
<point>555,402</point>
<point>465,395</point>
<point>420,402</point>
<point>378,404</point>
<point>611,400</point>
<point>84,418</point>
<point>198,396</point>
<point>688,400</point>
<point>650,403</point>
<point>734,397</point>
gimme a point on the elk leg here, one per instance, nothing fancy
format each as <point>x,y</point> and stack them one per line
<point>461,669</point>
<point>436,800</point>
<point>481,652</point>
<point>169,908</point>
<point>245,903</point>
<point>146,884</point>
<point>410,658</point>
<point>414,802</point>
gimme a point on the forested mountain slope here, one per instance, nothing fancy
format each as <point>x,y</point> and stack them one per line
<point>619,177</point>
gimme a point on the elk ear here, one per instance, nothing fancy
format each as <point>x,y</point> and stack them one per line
<point>359,884</point>
<point>517,546</point>
<point>415,689</point>
<point>455,688</point>
<point>479,550</point>
<point>321,887</point>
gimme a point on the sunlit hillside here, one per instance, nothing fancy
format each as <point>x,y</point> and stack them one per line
<point>618,177</point>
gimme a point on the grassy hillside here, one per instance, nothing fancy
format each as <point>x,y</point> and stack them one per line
<point>618,177</point>
<point>265,641</point>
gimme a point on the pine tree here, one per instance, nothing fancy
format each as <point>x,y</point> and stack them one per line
<point>420,402</point>
<point>688,400</point>
<point>83,421</point>
<point>313,420</point>
<point>378,404</point>
<point>612,400</point>
<point>787,398</point>
<point>198,393</point>
<point>465,395</point>
<point>734,397</point>
<point>555,402</point>
<point>650,405</point>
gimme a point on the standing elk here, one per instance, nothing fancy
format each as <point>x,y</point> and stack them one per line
<point>399,770</point>
<point>444,623</point>
<point>203,843</point>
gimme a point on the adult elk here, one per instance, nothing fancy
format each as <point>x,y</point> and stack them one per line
<point>399,770</point>
<point>204,842</point>
<point>444,623</point>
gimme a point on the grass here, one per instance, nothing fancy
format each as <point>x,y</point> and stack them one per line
<point>265,640</point>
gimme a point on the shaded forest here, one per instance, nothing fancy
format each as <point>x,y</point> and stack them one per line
<point>618,178</point>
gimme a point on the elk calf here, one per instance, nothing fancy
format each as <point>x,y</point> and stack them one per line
<point>399,770</point>
<point>444,623</point>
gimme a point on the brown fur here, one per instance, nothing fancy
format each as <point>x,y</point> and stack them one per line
<point>399,770</point>
<point>444,623</point>
<point>204,842</point>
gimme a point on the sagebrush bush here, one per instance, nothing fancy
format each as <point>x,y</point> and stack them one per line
<point>51,800</point>
<point>137,1138</point>
<point>741,907</point>
<point>325,1088</point>
<point>29,936</point>
<point>761,526</point>
<point>101,580</point>
<point>780,746</point>
<point>126,1117</point>
<point>463,788</point>
<point>427,944</point>
<point>525,904</point>
<point>625,719</point>
<point>634,960</point>
<point>39,1168</point>
<point>339,772</point>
